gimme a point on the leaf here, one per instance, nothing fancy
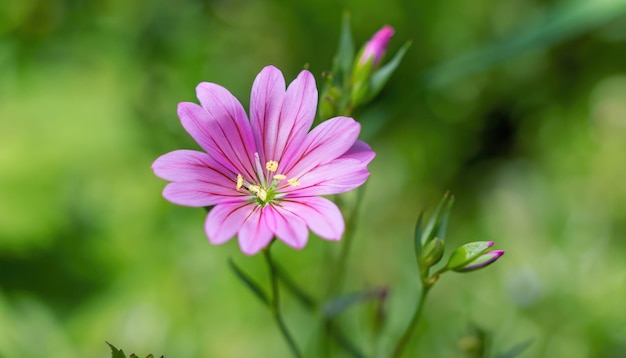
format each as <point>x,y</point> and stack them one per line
<point>342,63</point>
<point>116,353</point>
<point>517,349</point>
<point>380,77</point>
<point>564,21</point>
<point>248,282</point>
<point>339,304</point>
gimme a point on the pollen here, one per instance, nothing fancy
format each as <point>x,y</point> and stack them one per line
<point>262,194</point>
<point>254,189</point>
<point>280,177</point>
<point>293,182</point>
<point>271,165</point>
<point>239,181</point>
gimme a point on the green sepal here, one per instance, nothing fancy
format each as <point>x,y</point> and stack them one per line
<point>434,222</point>
<point>329,101</point>
<point>467,253</point>
<point>432,253</point>
<point>442,228</point>
<point>248,282</point>
<point>418,235</point>
<point>361,74</point>
<point>381,77</point>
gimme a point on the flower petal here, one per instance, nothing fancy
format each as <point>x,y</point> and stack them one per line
<point>225,220</point>
<point>220,127</point>
<point>360,151</point>
<point>298,112</point>
<point>266,100</point>
<point>191,165</point>
<point>287,227</point>
<point>338,176</point>
<point>200,194</point>
<point>255,233</point>
<point>281,119</point>
<point>342,174</point>
<point>324,143</point>
<point>321,215</point>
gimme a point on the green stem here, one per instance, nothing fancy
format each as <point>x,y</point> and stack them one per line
<point>275,306</point>
<point>406,336</point>
<point>336,279</point>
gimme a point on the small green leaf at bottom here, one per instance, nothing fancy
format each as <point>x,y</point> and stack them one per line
<point>116,353</point>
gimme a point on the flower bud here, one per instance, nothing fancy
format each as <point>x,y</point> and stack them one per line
<point>366,62</point>
<point>467,253</point>
<point>376,47</point>
<point>432,253</point>
<point>481,261</point>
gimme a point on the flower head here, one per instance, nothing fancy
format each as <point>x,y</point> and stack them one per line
<point>263,175</point>
<point>376,46</point>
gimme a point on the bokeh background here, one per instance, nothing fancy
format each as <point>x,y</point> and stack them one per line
<point>517,106</point>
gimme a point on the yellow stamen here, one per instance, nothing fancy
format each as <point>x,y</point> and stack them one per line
<point>239,181</point>
<point>262,194</point>
<point>280,177</point>
<point>293,182</point>
<point>271,165</point>
<point>254,189</point>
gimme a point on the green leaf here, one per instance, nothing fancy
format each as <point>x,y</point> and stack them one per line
<point>342,64</point>
<point>380,77</point>
<point>116,353</point>
<point>565,21</point>
<point>516,350</point>
<point>339,304</point>
<point>467,253</point>
<point>248,282</point>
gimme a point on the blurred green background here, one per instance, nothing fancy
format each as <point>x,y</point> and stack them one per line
<point>517,106</point>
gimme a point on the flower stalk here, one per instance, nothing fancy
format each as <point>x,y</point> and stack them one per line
<point>338,274</point>
<point>408,332</point>
<point>275,306</point>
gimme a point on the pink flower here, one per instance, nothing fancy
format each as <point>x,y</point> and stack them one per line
<point>263,175</point>
<point>377,46</point>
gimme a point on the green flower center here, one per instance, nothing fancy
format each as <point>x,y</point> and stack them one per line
<point>267,185</point>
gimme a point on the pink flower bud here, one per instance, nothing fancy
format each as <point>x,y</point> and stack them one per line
<point>482,261</point>
<point>377,45</point>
